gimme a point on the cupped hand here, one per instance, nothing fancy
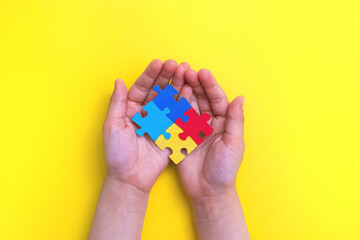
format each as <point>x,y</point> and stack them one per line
<point>132,159</point>
<point>212,167</point>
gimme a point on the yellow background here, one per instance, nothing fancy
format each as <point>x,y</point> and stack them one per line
<point>296,63</point>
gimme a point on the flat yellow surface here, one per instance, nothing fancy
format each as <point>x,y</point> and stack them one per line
<point>296,62</point>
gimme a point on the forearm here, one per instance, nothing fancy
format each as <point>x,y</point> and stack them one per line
<point>220,217</point>
<point>120,211</point>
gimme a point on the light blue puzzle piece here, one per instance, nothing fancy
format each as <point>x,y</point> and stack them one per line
<point>154,123</point>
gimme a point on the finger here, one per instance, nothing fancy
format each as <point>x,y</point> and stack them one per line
<point>117,106</point>
<point>178,80</point>
<point>163,79</point>
<point>218,99</point>
<point>194,103</point>
<point>234,124</point>
<point>166,73</point>
<point>140,89</point>
<point>185,92</point>
<point>188,93</point>
<point>191,77</point>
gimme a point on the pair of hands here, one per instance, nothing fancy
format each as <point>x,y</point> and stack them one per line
<point>211,169</point>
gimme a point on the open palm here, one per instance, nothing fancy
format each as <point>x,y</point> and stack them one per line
<point>132,159</point>
<point>212,167</point>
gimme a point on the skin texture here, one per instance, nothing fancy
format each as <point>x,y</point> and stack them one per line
<point>134,163</point>
<point>209,172</point>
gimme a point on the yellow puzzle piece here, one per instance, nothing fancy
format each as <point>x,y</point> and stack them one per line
<point>175,143</point>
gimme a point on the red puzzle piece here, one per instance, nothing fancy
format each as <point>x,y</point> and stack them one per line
<point>194,126</point>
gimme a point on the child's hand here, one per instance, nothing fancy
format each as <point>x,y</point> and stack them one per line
<point>131,159</point>
<point>211,169</point>
<point>134,163</point>
<point>209,172</point>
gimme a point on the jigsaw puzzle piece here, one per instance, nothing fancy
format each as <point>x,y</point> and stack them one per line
<point>154,123</point>
<point>194,126</point>
<point>175,143</point>
<point>165,99</point>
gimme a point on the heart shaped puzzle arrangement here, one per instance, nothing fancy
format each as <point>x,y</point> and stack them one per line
<point>172,124</point>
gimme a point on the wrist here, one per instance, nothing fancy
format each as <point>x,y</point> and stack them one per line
<point>126,194</point>
<point>212,206</point>
<point>129,188</point>
<point>220,216</point>
<point>120,211</point>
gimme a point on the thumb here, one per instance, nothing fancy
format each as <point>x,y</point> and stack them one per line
<point>117,106</point>
<point>234,125</point>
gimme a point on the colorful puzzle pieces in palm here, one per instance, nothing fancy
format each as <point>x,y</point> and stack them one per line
<point>172,124</point>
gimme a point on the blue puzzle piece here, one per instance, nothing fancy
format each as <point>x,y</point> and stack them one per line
<point>165,99</point>
<point>154,123</point>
